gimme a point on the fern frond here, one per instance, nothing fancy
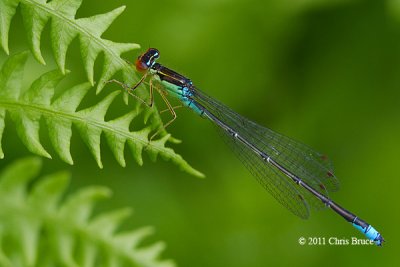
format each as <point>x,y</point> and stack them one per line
<point>27,107</point>
<point>64,28</point>
<point>37,229</point>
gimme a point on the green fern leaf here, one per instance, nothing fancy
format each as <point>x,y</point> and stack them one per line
<point>38,229</point>
<point>64,28</point>
<point>29,107</point>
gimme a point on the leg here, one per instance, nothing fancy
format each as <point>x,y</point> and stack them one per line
<point>151,93</point>
<point>127,87</point>
<point>131,89</point>
<point>175,107</point>
<point>171,109</point>
<point>140,81</point>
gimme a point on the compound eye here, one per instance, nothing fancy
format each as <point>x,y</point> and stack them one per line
<point>154,53</point>
<point>140,65</point>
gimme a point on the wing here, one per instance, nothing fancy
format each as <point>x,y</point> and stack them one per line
<point>309,165</point>
<point>271,179</point>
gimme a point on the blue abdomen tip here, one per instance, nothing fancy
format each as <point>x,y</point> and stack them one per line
<point>371,233</point>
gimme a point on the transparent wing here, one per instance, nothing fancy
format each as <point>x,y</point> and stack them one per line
<point>271,179</point>
<point>307,164</point>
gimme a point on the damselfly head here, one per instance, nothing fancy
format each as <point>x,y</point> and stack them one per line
<point>147,59</point>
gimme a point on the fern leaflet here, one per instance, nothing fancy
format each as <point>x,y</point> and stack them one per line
<point>28,107</point>
<point>64,28</point>
<point>37,229</point>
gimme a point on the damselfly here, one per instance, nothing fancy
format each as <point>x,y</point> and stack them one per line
<point>295,175</point>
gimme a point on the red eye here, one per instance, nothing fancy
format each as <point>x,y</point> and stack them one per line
<point>140,66</point>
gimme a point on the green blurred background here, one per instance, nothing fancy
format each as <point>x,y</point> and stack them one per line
<point>323,72</point>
